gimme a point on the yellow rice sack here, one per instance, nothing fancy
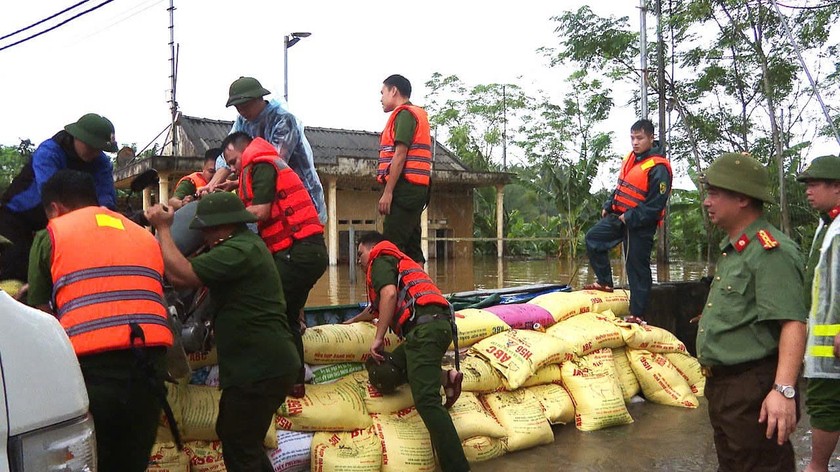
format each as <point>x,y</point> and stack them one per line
<point>689,368</point>
<point>546,375</point>
<point>482,448</point>
<point>331,407</point>
<point>588,332</point>
<point>11,286</point>
<point>626,377</point>
<point>475,325</point>
<point>556,403</point>
<point>521,414</point>
<point>661,382</point>
<point>376,402</point>
<point>519,354</point>
<point>617,301</point>
<point>406,446</point>
<point>350,451</point>
<point>198,360</point>
<point>471,419</point>
<point>205,456</point>
<point>592,384</point>
<point>338,343</point>
<point>166,457</point>
<point>650,338</point>
<point>479,375</point>
<point>564,305</point>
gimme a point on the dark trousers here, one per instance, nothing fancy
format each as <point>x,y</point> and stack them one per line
<point>402,227</point>
<point>245,413</point>
<point>420,358</point>
<point>300,267</point>
<point>14,260</point>
<point>638,242</point>
<point>125,409</point>
<point>734,406</point>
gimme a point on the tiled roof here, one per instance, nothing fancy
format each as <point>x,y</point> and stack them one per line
<point>328,144</point>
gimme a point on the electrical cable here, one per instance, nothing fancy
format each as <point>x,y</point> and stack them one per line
<point>814,7</point>
<point>42,21</point>
<point>56,26</point>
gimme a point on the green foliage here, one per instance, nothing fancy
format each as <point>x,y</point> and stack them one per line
<point>12,158</point>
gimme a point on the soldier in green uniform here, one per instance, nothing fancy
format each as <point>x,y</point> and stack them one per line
<point>258,362</point>
<point>398,287</point>
<point>751,336</point>
<point>822,356</point>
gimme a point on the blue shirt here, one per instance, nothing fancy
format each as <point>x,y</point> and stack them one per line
<point>278,126</point>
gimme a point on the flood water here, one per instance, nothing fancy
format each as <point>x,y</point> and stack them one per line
<point>487,272</point>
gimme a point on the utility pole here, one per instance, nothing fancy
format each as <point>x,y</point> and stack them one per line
<point>662,253</point>
<point>173,103</point>
<point>643,54</point>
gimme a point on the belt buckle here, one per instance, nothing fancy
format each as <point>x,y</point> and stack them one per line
<point>706,371</point>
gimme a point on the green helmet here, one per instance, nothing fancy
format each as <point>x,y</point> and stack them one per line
<point>385,376</point>
<point>821,168</point>
<point>94,130</point>
<point>220,208</point>
<point>244,89</point>
<point>739,173</point>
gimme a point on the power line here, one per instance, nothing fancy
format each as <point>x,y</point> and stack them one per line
<point>58,25</point>
<point>44,20</point>
<point>132,13</point>
<point>813,7</point>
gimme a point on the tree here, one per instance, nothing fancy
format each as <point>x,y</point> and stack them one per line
<point>12,158</point>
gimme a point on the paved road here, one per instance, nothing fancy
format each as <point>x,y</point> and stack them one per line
<point>662,438</point>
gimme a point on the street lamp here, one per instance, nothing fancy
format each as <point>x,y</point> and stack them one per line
<point>289,40</point>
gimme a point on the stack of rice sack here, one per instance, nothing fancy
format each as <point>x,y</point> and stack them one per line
<point>563,357</point>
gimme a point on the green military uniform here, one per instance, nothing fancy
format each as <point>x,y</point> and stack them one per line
<point>419,357</point>
<point>402,225</point>
<point>823,399</point>
<point>257,359</point>
<point>186,187</point>
<point>758,285</point>
<point>300,266</point>
<point>118,387</point>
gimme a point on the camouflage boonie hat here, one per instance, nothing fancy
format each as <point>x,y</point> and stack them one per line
<point>821,168</point>
<point>739,173</point>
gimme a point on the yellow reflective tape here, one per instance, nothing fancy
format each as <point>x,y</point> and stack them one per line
<point>821,351</point>
<point>109,221</point>
<point>826,330</point>
<point>648,164</point>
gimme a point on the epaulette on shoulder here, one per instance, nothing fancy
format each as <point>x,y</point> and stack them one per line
<point>768,242</point>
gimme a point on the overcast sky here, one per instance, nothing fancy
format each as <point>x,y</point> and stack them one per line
<point>114,61</point>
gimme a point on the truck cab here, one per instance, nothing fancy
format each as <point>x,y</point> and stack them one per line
<point>44,420</point>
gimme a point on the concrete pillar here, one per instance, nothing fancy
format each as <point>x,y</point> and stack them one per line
<point>424,233</point>
<point>500,220</point>
<point>147,198</point>
<point>163,188</point>
<point>332,222</point>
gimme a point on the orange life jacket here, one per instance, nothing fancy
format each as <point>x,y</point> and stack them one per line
<point>632,186</point>
<point>197,179</point>
<point>418,160</point>
<point>107,275</point>
<point>293,215</point>
<point>414,285</point>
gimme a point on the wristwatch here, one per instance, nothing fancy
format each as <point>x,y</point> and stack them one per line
<point>786,390</point>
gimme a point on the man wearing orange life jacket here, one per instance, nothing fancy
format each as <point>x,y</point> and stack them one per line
<point>110,302</point>
<point>631,215</point>
<point>189,184</point>
<point>405,162</point>
<point>408,302</point>
<point>287,221</point>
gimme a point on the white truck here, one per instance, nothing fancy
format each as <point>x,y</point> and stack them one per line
<point>45,425</point>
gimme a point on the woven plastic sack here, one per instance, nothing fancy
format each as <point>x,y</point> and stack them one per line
<point>661,382</point>
<point>202,359</point>
<point>564,305</point>
<point>406,445</point>
<point>591,382</point>
<point>351,451</point>
<point>523,315</point>
<point>556,403</point>
<point>689,368</point>
<point>339,343</point>
<point>292,452</point>
<point>521,414</point>
<point>626,377</point>
<point>205,456</point>
<point>519,354</point>
<point>650,338</point>
<point>322,374</point>
<point>586,333</point>
<point>479,375</point>
<point>332,407</point>
<point>482,448</point>
<point>546,375</point>
<point>166,457</point>
<point>471,418</point>
<point>475,325</point>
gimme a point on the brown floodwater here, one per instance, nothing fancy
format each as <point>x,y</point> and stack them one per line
<point>487,272</point>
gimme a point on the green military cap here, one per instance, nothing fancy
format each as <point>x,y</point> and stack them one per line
<point>220,208</point>
<point>385,376</point>
<point>821,168</point>
<point>94,130</point>
<point>739,173</point>
<point>244,89</point>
